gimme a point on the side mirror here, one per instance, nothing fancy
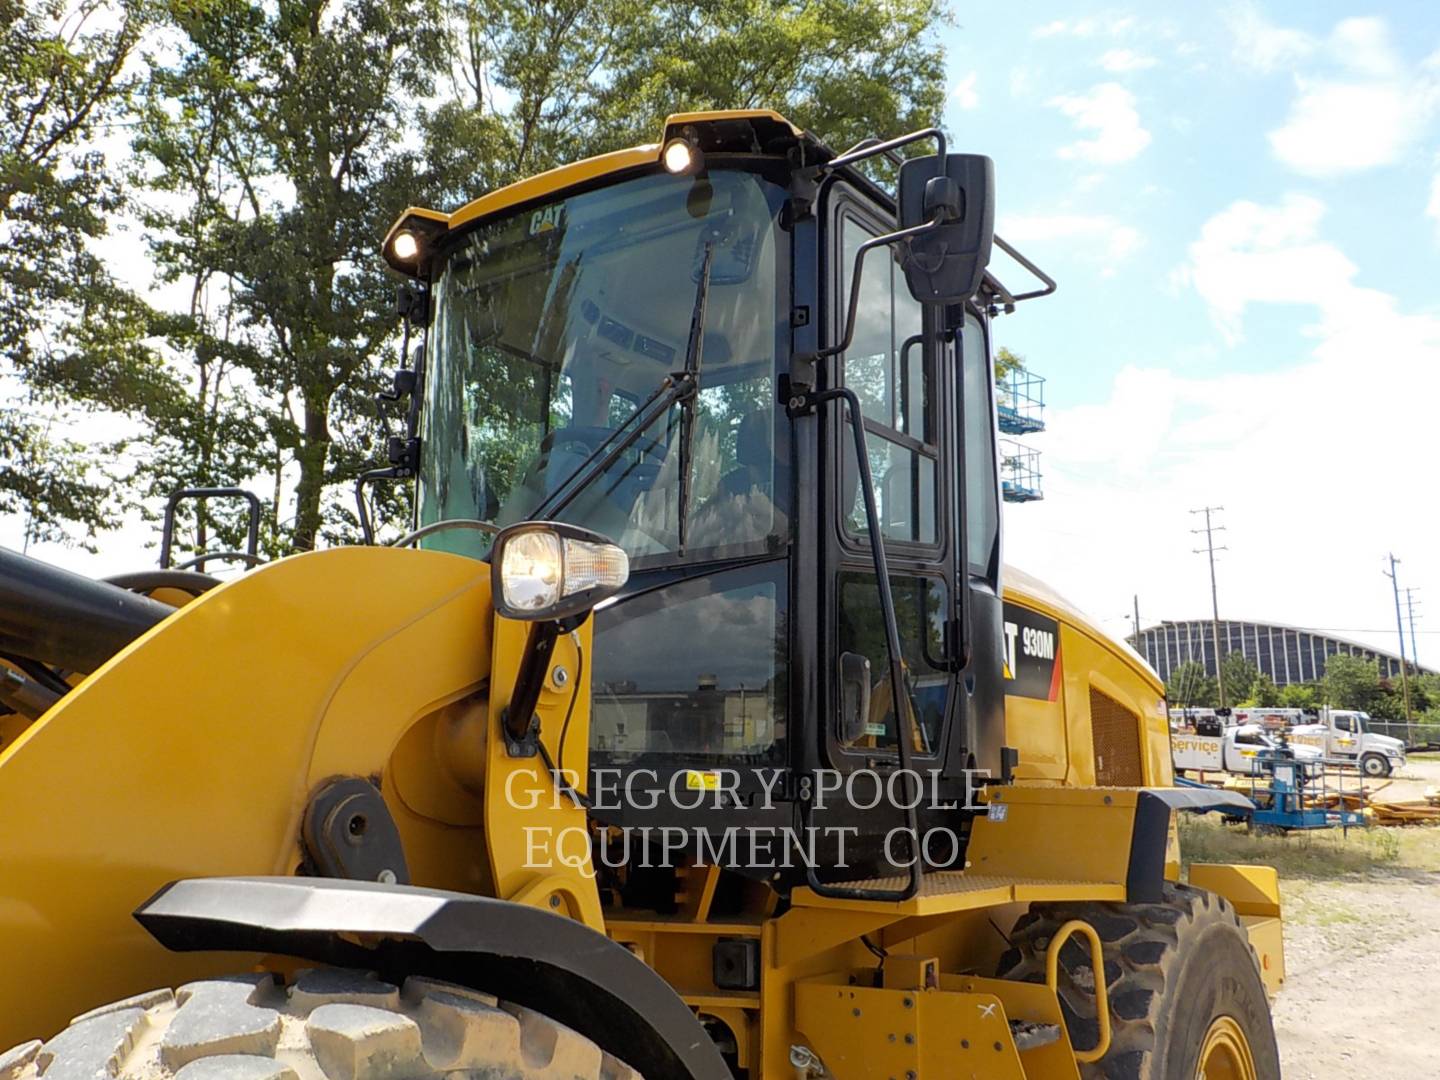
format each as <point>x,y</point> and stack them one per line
<point>854,698</point>
<point>945,264</point>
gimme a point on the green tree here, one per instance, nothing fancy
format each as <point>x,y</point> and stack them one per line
<point>1301,695</point>
<point>71,338</point>
<point>1265,693</point>
<point>1006,361</point>
<point>1351,682</point>
<point>1189,686</point>
<point>297,132</point>
<point>1240,676</point>
<point>285,127</point>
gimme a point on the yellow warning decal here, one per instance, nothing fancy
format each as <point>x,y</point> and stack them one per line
<point>695,780</point>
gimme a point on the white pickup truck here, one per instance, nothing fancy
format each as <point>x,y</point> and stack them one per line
<point>1236,750</point>
<point>1343,735</point>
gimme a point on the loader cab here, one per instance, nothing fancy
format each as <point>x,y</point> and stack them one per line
<point>748,649</point>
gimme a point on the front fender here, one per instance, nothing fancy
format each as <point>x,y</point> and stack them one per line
<point>523,954</point>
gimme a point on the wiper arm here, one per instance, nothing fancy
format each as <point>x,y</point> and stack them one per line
<point>679,386</point>
<point>694,351</point>
<point>671,389</point>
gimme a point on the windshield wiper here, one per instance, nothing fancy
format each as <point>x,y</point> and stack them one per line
<point>694,352</point>
<point>681,386</point>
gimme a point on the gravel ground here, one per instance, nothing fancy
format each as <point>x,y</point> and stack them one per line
<point>1363,966</point>
<point>1362,955</point>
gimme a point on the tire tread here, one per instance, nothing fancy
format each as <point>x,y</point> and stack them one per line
<point>330,1024</point>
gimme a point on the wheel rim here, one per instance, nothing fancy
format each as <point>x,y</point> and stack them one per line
<point>1373,767</point>
<point>1225,1054</point>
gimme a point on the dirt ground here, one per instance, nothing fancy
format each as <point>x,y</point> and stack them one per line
<point>1362,941</point>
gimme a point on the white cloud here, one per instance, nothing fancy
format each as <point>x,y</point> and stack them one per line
<point>1092,26</point>
<point>1249,254</point>
<point>1106,239</point>
<point>1364,111</point>
<point>1261,45</point>
<point>1336,127</point>
<point>1123,60</point>
<point>965,95</point>
<point>1301,454</point>
<point>1109,111</point>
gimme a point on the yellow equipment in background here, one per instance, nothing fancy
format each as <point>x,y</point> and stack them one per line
<point>692,732</point>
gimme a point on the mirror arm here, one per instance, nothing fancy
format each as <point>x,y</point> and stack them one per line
<point>854,306</point>
<point>868,148</point>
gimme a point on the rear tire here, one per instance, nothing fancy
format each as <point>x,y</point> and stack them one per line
<point>1182,978</point>
<point>330,1023</point>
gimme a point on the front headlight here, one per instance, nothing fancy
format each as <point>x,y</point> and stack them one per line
<point>541,570</point>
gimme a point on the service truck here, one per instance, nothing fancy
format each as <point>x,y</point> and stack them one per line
<point>1235,749</point>
<point>1343,735</point>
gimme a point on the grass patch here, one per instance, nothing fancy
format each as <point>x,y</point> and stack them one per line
<point>1315,854</point>
<point>1424,755</point>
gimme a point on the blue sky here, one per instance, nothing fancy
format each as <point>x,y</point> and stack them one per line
<point>1242,205</point>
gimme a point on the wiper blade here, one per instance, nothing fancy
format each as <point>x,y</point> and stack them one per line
<point>694,354</point>
<point>676,387</point>
<point>608,452</point>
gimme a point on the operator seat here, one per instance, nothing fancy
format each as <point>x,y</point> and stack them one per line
<point>743,507</point>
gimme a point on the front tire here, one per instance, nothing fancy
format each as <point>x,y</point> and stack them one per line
<point>331,1023</point>
<point>1375,766</point>
<point>1184,986</point>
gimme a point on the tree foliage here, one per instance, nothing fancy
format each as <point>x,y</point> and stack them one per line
<point>71,337</point>
<point>273,144</point>
<point>1351,682</point>
<point>1239,675</point>
<point>1190,687</point>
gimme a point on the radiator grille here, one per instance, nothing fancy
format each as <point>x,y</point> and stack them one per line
<point>1116,731</point>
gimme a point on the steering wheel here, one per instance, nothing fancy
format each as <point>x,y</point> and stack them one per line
<point>588,439</point>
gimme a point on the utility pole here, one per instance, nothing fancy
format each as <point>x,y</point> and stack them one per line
<point>1400,626</point>
<point>1210,549</point>
<point>1410,592</point>
<point>1137,621</point>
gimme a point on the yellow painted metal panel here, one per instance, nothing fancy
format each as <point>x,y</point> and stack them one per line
<point>1267,938</point>
<point>861,1032</point>
<point>676,119</point>
<point>193,751</point>
<point>1253,890</point>
<point>555,181</point>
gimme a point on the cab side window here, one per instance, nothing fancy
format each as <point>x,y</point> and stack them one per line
<point>982,506</point>
<point>886,367</point>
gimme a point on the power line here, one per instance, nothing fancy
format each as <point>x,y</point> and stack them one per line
<point>1210,530</point>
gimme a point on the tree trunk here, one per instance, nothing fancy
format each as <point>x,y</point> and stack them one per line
<point>313,455</point>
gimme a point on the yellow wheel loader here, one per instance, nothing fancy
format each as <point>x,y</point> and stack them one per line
<point>694,730</point>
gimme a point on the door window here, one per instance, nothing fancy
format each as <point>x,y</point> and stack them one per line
<point>920,612</point>
<point>886,365</point>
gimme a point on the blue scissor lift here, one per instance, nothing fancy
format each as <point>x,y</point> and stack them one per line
<point>1019,472</point>
<point>1020,407</point>
<point>1020,402</point>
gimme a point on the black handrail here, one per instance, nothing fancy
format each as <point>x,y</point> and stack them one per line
<point>252,539</point>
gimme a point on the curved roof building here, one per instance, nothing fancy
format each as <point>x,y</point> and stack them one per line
<point>1288,654</point>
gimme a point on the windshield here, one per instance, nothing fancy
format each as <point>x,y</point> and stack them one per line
<point>554,325</point>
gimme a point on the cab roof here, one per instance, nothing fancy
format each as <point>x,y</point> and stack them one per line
<point>720,131</point>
